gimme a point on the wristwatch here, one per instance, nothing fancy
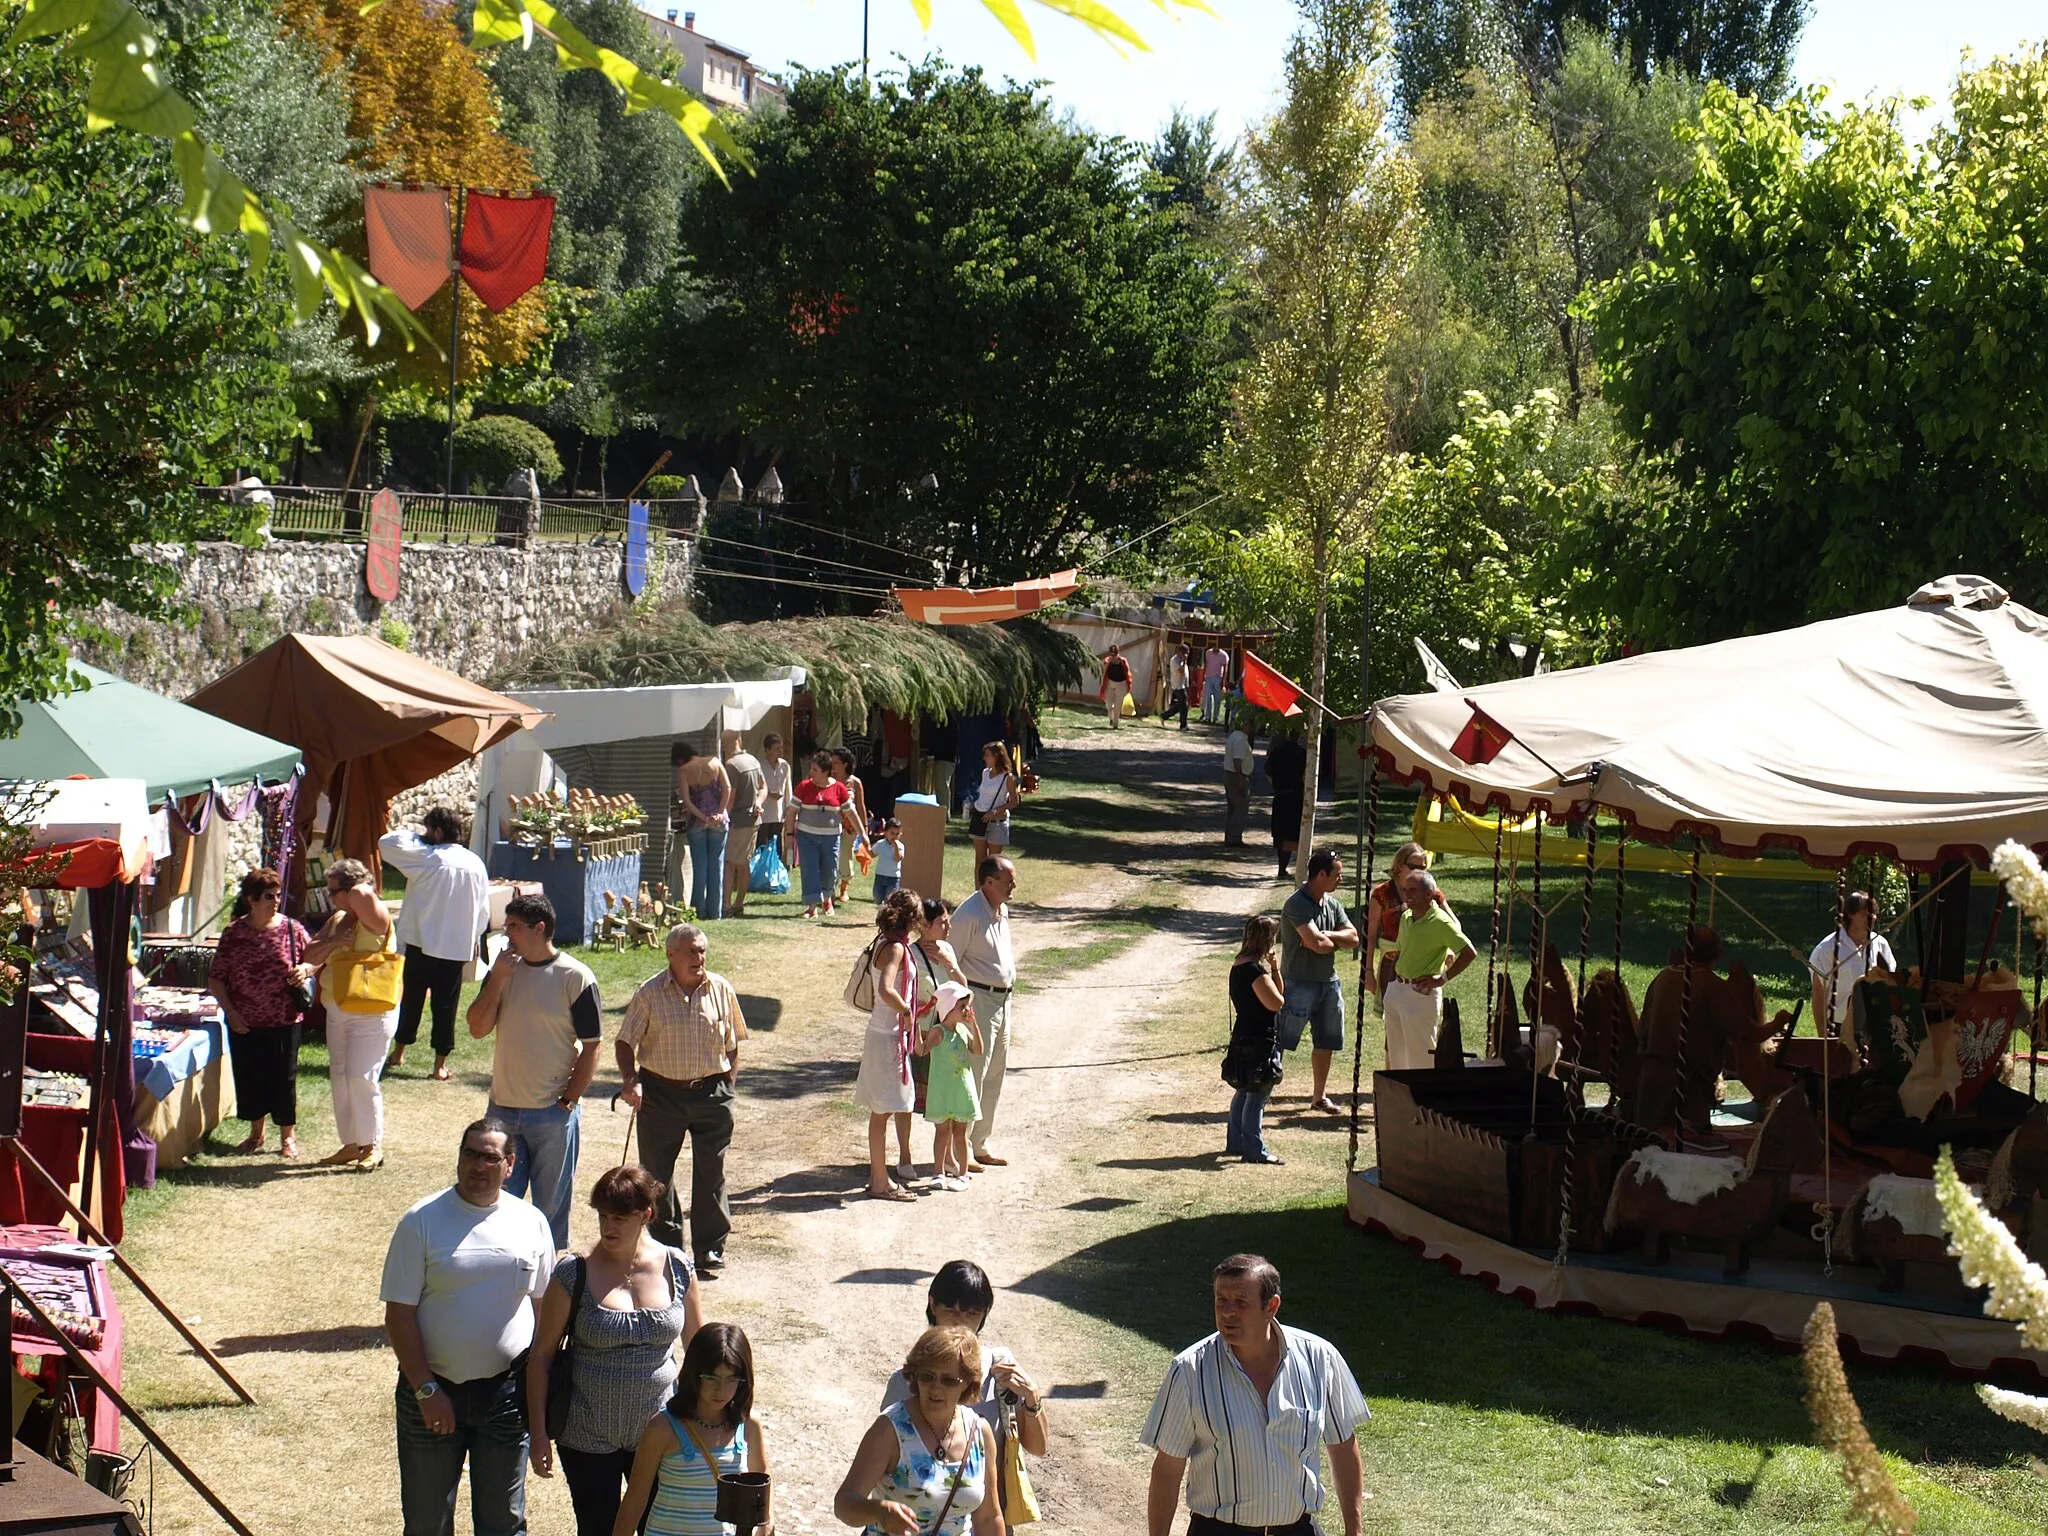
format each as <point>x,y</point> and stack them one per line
<point>429,1390</point>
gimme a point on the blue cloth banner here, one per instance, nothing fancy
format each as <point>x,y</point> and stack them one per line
<point>636,548</point>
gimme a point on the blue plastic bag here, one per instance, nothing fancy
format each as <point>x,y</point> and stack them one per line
<point>766,875</point>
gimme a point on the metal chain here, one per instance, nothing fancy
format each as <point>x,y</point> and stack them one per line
<point>1372,843</point>
<point>1692,913</point>
<point>1586,916</point>
<point>1494,1045</point>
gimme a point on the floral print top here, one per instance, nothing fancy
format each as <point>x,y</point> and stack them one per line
<point>920,1481</point>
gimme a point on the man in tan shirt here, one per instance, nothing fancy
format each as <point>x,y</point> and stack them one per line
<point>679,1058</point>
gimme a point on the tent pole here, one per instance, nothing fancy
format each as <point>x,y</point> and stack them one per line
<point>128,1409</point>
<point>454,355</point>
<point>89,1231</point>
<point>110,961</point>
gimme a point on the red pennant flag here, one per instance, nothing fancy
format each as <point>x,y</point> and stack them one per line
<point>407,229</point>
<point>1267,688</point>
<point>1483,738</point>
<point>505,244</point>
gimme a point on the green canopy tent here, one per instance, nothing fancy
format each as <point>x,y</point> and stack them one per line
<point>115,730</point>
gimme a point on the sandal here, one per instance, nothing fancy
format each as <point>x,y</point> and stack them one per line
<point>371,1160</point>
<point>894,1192</point>
<point>290,1148</point>
<point>343,1156</point>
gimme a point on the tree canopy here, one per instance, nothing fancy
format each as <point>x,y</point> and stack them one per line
<point>953,321</point>
<point>137,361</point>
<point>1833,349</point>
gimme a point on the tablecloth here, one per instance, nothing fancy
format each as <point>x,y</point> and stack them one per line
<point>99,1410</point>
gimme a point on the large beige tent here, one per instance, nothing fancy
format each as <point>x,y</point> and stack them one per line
<point>1920,732</point>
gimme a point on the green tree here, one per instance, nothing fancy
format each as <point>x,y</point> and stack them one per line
<point>1750,44</point>
<point>1533,186</point>
<point>1833,349</point>
<point>136,365</point>
<point>1192,165</point>
<point>952,320</point>
<point>1326,218</point>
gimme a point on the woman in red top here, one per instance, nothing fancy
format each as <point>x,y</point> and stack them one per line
<point>1383,915</point>
<point>255,968</point>
<point>820,808</point>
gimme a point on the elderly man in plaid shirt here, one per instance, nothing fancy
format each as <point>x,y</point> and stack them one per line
<point>679,1058</point>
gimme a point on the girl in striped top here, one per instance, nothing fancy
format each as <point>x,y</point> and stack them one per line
<point>713,1404</point>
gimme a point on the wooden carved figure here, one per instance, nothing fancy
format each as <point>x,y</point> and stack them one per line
<point>1726,1200</point>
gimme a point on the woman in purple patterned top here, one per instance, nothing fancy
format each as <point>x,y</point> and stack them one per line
<point>259,961</point>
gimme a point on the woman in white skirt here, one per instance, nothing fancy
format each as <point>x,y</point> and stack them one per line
<point>988,815</point>
<point>357,1043</point>
<point>885,1088</point>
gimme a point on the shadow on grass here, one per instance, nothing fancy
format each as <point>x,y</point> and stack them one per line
<point>313,1341</point>
<point>822,1188</point>
<point>1488,1353</point>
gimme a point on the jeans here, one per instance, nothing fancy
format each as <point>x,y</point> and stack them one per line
<point>707,871</point>
<point>670,1114</point>
<point>1247,1134</point>
<point>544,1147</point>
<point>817,857</point>
<point>887,886</point>
<point>429,976</point>
<point>597,1480</point>
<point>490,1432</point>
<point>1212,699</point>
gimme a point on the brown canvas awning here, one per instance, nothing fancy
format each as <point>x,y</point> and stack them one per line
<point>371,721</point>
<point>1919,732</point>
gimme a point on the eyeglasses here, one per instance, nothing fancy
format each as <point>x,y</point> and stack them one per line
<point>722,1382</point>
<point>934,1379</point>
<point>481,1155</point>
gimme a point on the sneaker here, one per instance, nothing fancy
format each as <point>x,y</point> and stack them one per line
<point>1267,1158</point>
<point>950,1181</point>
<point>710,1263</point>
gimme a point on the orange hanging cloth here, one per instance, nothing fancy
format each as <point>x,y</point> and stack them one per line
<point>986,605</point>
<point>410,247</point>
<point>505,244</point>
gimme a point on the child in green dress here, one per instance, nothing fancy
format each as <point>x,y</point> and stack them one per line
<point>951,1103</point>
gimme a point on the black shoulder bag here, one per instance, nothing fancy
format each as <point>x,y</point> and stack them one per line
<point>562,1369</point>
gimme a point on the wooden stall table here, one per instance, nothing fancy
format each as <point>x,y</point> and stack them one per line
<point>183,1087</point>
<point>78,1287</point>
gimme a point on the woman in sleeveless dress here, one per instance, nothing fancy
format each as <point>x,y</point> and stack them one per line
<point>362,923</point>
<point>633,1300</point>
<point>988,813</point>
<point>712,1411</point>
<point>927,1466</point>
<point>885,1088</point>
<point>1251,1063</point>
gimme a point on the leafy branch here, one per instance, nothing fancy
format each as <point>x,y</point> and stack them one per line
<point>126,89</point>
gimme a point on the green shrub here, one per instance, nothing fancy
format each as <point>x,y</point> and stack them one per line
<point>666,487</point>
<point>491,449</point>
<point>395,633</point>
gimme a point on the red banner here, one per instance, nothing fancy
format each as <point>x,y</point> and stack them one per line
<point>1269,689</point>
<point>505,244</point>
<point>1482,740</point>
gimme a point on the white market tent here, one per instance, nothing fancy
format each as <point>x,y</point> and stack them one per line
<point>621,737</point>
<point>1919,732</point>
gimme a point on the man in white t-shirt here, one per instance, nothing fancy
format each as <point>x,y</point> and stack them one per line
<point>447,908</point>
<point>461,1278</point>
<point>1215,668</point>
<point>1237,785</point>
<point>543,1006</point>
<point>1848,953</point>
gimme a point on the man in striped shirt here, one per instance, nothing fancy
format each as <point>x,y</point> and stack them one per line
<point>1241,1414</point>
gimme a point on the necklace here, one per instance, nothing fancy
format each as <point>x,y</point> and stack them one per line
<point>938,1436</point>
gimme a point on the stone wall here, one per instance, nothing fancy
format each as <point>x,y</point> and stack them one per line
<point>467,607</point>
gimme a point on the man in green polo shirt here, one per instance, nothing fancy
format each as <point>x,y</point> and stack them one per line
<point>1430,936</point>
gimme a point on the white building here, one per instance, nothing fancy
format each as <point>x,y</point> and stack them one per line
<point>717,72</point>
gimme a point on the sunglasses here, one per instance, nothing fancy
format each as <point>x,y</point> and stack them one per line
<point>934,1379</point>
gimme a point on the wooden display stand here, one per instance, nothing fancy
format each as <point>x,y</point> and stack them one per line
<point>924,847</point>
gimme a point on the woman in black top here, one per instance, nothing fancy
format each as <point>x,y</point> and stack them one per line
<point>1252,1063</point>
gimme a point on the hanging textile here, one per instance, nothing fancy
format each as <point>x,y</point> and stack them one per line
<point>987,605</point>
<point>505,244</point>
<point>410,246</point>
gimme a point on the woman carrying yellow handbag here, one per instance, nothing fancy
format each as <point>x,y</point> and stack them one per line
<point>359,984</point>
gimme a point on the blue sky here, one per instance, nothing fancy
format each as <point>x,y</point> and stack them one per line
<point>1231,64</point>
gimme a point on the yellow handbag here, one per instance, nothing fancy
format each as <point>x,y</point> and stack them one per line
<point>367,983</point>
<point>1019,1498</point>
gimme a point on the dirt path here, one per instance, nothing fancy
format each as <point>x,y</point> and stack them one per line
<point>831,1284</point>
<point>278,1265</point>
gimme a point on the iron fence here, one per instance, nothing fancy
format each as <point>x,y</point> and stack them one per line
<point>428,517</point>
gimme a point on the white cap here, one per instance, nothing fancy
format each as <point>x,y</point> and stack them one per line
<point>951,995</point>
